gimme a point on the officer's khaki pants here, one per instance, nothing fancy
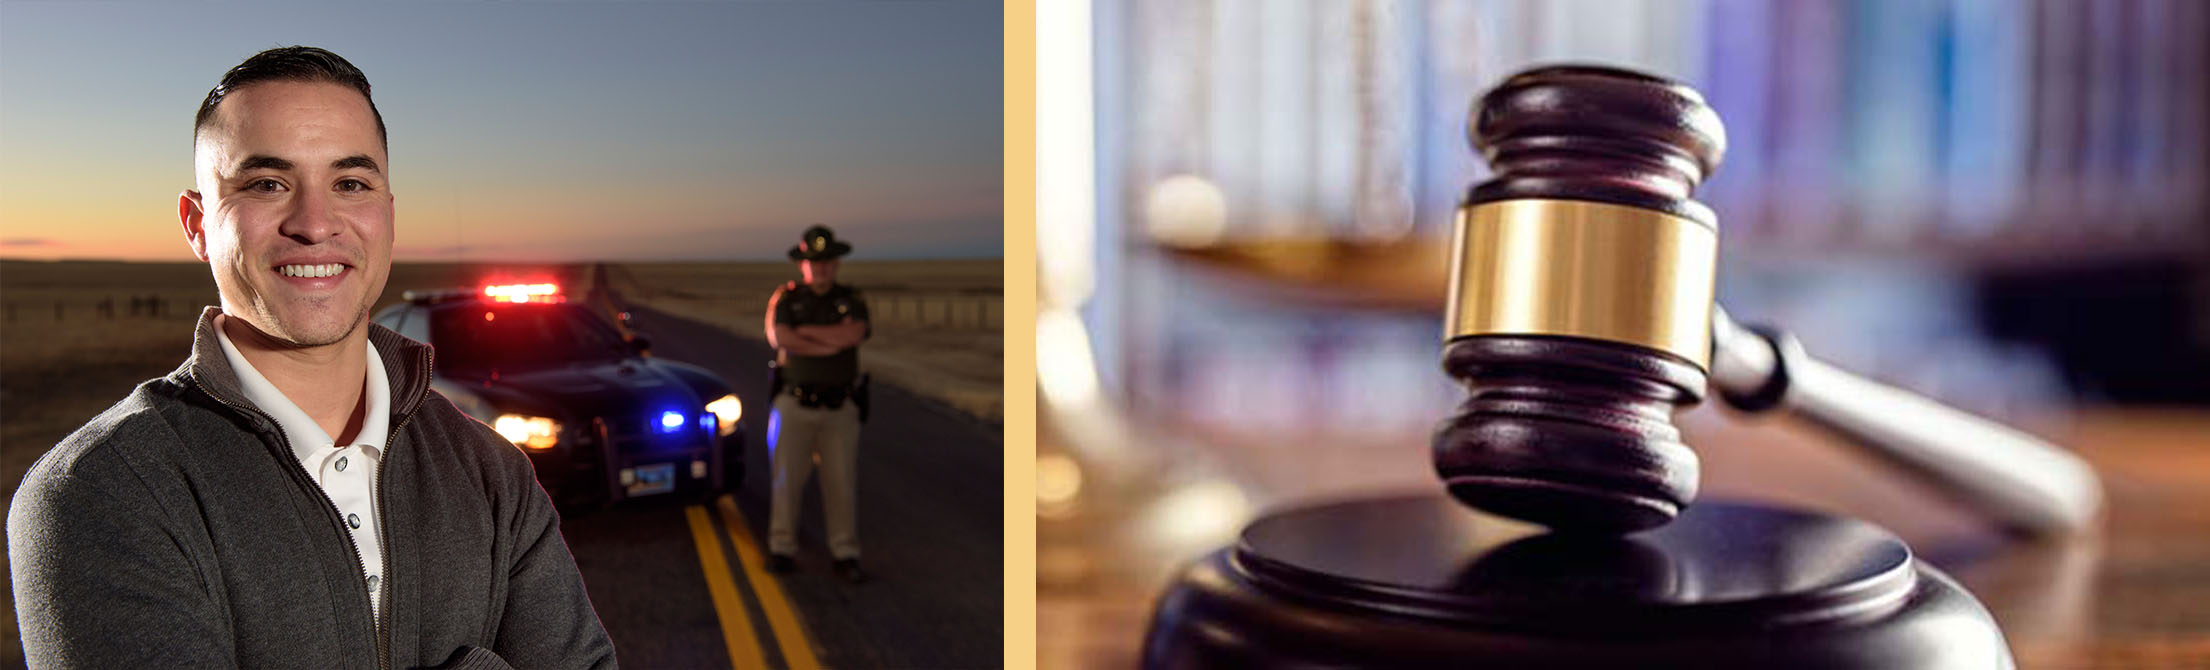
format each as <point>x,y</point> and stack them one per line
<point>795,436</point>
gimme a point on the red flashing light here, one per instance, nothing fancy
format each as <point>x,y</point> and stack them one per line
<point>523,293</point>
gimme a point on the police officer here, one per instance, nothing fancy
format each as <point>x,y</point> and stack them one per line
<point>816,326</point>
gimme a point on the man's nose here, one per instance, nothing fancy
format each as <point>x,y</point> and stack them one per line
<point>313,218</point>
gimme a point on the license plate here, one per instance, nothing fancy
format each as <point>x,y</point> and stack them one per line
<point>651,479</point>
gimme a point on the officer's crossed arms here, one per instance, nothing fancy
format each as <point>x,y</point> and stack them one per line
<point>812,340</point>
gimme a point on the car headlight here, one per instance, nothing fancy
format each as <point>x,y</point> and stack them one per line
<point>533,432</point>
<point>726,411</point>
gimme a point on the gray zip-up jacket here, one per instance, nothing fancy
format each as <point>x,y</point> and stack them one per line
<point>177,529</point>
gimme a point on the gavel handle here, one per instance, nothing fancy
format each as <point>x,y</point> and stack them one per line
<point>2020,480</point>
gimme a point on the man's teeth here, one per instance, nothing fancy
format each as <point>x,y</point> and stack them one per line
<point>311,271</point>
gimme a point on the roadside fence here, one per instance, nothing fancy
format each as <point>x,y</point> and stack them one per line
<point>106,308</point>
<point>955,311</point>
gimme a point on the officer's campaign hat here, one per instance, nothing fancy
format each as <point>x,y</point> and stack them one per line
<point>819,244</point>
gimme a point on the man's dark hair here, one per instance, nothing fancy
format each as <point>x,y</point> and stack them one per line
<point>293,63</point>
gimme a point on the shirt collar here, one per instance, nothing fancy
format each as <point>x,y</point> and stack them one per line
<point>307,437</point>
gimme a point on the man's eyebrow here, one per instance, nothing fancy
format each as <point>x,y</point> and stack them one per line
<point>260,162</point>
<point>357,161</point>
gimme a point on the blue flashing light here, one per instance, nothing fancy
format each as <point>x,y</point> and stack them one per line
<point>706,421</point>
<point>670,421</point>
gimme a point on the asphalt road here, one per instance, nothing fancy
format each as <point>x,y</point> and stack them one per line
<point>930,504</point>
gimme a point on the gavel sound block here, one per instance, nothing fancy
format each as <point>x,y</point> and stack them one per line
<point>1581,317</point>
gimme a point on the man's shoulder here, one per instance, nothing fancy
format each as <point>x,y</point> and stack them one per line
<point>440,413</point>
<point>139,428</point>
<point>836,291</point>
<point>840,294</point>
<point>462,435</point>
<point>450,453</point>
<point>783,297</point>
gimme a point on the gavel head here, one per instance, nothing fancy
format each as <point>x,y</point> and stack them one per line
<point>1580,306</point>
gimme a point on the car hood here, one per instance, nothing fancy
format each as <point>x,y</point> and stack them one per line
<point>598,388</point>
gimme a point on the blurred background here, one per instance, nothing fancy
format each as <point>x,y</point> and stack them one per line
<point>1998,204</point>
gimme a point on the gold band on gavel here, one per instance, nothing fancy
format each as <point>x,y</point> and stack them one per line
<point>1584,269</point>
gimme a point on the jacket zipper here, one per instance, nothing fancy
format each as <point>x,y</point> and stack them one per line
<point>383,539</point>
<point>383,587</point>
<point>383,530</point>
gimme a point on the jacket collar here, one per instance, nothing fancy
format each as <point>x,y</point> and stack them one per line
<point>407,365</point>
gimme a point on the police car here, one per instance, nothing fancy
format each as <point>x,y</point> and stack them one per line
<point>601,420</point>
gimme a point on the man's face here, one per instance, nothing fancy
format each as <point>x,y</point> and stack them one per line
<point>818,272</point>
<point>293,211</point>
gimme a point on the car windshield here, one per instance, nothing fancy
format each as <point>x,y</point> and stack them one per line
<point>507,337</point>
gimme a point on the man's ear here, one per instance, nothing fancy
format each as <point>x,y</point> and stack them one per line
<point>194,217</point>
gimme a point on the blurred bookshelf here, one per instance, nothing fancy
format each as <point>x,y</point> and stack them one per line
<point>1905,181</point>
<point>1971,129</point>
<point>1996,203</point>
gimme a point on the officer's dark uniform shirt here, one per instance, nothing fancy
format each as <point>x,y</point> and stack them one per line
<point>798,305</point>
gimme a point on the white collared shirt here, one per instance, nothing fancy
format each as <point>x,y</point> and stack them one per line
<point>347,473</point>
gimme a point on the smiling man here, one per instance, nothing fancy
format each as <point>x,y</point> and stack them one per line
<point>294,494</point>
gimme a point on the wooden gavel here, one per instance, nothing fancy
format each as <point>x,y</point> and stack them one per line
<point>1581,316</point>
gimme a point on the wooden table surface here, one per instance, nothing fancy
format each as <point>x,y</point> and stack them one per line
<point>2134,594</point>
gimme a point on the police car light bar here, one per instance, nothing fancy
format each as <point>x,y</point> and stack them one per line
<point>523,293</point>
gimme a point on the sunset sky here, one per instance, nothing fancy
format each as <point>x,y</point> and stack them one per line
<point>537,132</point>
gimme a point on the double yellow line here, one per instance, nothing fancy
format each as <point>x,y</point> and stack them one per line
<point>736,625</point>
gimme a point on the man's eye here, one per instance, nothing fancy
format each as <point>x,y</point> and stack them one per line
<point>352,186</point>
<point>265,185</point>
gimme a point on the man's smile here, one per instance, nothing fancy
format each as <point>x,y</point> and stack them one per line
<point>311,271</point>
<point>313,274</point>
